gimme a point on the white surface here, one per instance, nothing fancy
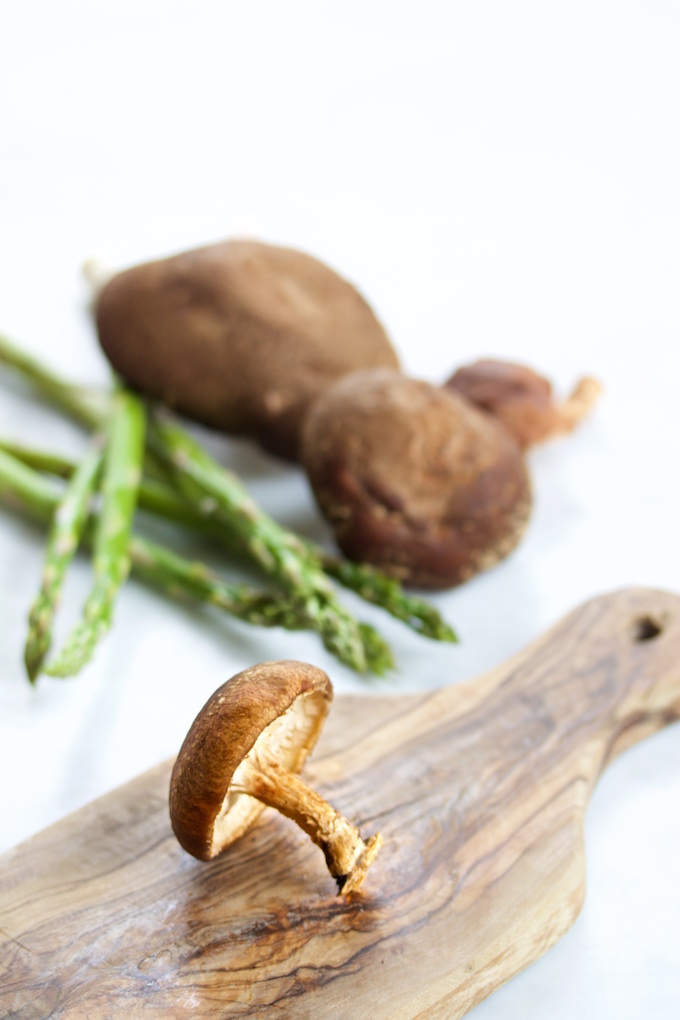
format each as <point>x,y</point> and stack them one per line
<point>498,179</point>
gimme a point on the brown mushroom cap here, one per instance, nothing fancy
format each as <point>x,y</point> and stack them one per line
<point>277,708</point>
<point>514,394</point>
<point>414,479</point>
<point>239,335</point>
<point>522,399</point>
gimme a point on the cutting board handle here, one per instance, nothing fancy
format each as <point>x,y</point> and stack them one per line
<point>604,677</point>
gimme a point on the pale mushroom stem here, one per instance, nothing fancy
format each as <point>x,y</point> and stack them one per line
<point>347,855</point>
<point>577,405</point>
<point>97,274</point>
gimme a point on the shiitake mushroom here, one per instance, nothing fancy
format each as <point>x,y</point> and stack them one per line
<point>240,336</point>
<point>522,399</point>
<point>414,479</point>
<point>244,751</point>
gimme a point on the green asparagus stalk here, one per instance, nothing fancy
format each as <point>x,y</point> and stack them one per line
<point>367,582</point>
<point>25,491</point>
<point>68,522</point>
<point>220,495</point>
<point>111,561</point>
<point>30,495</point>
<point>45,461</point>
<point>87,406</point>
<point>370,584</point>
<point>183,579</point>
<point>375,587</point>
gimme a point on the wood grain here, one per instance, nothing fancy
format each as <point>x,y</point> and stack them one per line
<point>479,790</point>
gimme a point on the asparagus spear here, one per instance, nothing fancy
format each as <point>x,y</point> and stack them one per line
<point>40,460</point>
<point>111,561</point>
<point>68,522</point>
<point>375,587</point>
<point>25,491</point>
<point>85,405</point>
<point>88,406</point>
<point>370,584</point>
<point>182,578</point>
<point>220,495</point>
<point>33,496</point>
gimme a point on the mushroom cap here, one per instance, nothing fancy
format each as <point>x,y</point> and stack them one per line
<point>523,400</point>
<point>414,479</point>
<point>240,335</point>
<point>515,394</point>
<point>273,707</point>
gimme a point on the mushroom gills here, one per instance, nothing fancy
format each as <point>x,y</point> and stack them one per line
<point>285,740</point>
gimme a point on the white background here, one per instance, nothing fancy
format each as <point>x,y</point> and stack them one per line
<point>498,179</point>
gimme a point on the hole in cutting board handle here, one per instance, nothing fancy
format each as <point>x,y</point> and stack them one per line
<point>646,628</point>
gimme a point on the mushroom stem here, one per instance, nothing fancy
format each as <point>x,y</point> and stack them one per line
<point>97,274</point>
<point>577,405</point>
<point>347,855</point>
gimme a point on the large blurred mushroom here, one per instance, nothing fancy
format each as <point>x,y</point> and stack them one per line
<point>240,335</point>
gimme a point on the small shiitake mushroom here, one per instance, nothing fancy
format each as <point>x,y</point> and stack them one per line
<point>522,399</point>
<point>414,479</point>
<point>240,336</point>
<point>243,752</point>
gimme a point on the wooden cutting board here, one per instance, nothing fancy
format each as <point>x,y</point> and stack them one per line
<point>479,790</point>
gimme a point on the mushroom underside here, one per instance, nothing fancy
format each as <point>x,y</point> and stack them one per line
<point>287,741</point>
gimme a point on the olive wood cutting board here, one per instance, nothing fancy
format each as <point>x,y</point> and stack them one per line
<point>479,790</point>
